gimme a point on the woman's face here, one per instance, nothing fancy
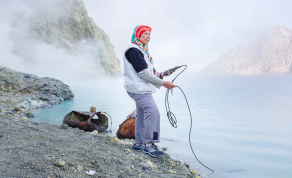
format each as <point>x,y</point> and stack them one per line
<point>145,37</point>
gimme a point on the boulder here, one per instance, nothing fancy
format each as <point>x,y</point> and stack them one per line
<point>127,128</point>
<point>47,89</point>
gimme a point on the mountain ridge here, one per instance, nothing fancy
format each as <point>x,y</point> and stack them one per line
<point>73,26</point>
<point>271,53</point>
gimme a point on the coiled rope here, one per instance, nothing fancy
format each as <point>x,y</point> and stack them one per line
<point>173,121</point>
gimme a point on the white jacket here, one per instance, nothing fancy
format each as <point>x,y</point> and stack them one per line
<point>133,82</point>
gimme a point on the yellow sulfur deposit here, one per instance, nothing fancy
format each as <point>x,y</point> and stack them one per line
<point>149,164</point>
<point>171,171</point>
<point>95,131</point>
<point>195,173</point>
<point>172,163</point>
<point>114,140</point>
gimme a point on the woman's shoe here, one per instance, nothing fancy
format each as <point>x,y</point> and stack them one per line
<point>138,147</point>
<point>153,151</point>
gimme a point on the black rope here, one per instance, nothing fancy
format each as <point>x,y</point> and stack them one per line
<point>173,121</point>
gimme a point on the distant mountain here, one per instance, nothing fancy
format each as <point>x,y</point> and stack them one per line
<point>271,53</point>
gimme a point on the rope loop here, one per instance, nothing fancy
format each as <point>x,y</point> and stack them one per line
<point>173,121</point>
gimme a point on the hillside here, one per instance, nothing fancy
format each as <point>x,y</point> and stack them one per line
<point>271,53</point>
<point>57,39</point>
<point>69,27</point>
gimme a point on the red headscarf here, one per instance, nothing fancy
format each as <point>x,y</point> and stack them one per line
<point>139,30</point>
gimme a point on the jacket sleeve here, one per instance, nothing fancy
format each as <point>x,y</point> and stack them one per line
<point>159,75</point>
<point>149,77</point>
<point>136,58</point>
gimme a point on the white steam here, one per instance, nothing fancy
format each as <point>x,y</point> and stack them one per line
<point>23,51</point>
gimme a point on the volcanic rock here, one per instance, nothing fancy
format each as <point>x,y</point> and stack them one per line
<point>68,26</point>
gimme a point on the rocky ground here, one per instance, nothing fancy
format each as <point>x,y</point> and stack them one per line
<point>20,105</point>
<point>21,92</point>
<point>32,149</point>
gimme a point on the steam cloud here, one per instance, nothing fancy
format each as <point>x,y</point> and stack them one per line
<point>23,51</point>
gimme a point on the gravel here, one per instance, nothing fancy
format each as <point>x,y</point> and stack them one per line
<point>32,149</point>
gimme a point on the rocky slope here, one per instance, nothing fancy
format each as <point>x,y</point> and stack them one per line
<point>271,53</point>
<point>32,149</point>
<point>20,92</point>
<point>68,26</point>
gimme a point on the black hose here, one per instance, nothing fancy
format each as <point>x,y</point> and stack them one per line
<point>173,121</point>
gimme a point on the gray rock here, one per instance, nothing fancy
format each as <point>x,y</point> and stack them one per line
<point>49,97</point>
<point>43,144</point>
<point>186,164</point>
<point>271,53</point>
<point>59,163</point>
<point>79,168</point>
<point>144,166</point>
<point>72,164</point>
<point>28,114</point>
<point>15,110</point>
<point>164,148</point>
<point>51,90</point>
<point>64,126</point>
<point>36,123</point>
<point>71,28</point>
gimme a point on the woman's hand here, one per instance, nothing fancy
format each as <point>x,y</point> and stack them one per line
<point>168,85</point>
<point>168,74</point>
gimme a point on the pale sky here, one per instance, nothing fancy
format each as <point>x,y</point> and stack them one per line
<point>199,32</point>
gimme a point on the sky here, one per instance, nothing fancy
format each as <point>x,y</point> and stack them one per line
<point>198,32</point>
<point>189,32</point>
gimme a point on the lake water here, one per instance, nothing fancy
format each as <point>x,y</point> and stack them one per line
<point>242,125</point>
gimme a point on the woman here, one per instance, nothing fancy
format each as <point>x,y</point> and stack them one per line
<point>141,78</point>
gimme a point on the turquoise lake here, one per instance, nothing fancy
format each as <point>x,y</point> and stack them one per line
<point>242,125</point>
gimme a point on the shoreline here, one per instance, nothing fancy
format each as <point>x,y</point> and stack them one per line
<point>33,149</point>
<point>40,149</point>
